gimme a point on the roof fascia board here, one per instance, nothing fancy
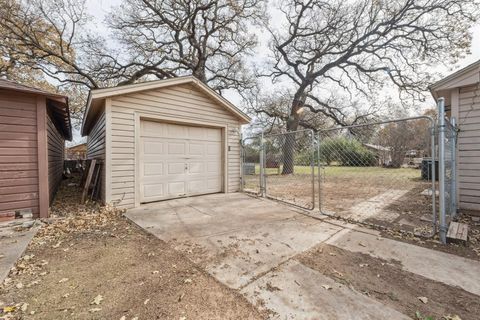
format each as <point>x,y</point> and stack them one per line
<point>452,81</point>
<point>116,91</point>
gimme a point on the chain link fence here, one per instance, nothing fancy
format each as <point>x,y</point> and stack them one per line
<point>379,173</point>
<point>384,173</point>
<point>252,149</point>
<point>290,167</point>
<point>450,184</point>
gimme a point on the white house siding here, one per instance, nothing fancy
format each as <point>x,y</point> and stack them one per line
<point>56,152</point>
<point>469,147</point>
<point>182,103</point>
<point>96,148</point>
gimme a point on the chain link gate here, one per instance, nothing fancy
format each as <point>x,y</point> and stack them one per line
<point>252,159</point>
<point>290,168</point>
<point>281,167</point>
<point>380,173</point>
<point>383,173</point>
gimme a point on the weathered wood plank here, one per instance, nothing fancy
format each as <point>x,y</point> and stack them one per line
<point>457,233</point>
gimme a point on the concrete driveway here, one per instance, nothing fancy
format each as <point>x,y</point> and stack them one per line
<point>249,245</point>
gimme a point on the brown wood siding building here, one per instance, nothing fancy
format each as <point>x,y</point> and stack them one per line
<point>56,153</point>
<point>30,141</point>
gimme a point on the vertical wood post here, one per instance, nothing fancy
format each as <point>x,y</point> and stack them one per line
<point>43,194</point>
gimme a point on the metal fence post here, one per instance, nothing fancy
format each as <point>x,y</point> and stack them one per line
<point>434,178</point>
<point>312,165</point>
<point>319,173</point>
<point>453,192</point>
<point>262,167</point>
<point>242,163</point>
<point>441,169</point>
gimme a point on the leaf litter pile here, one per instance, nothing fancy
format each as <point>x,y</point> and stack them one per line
<point>88,262</point>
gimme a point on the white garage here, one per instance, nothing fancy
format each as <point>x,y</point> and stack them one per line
<point>163,140</point>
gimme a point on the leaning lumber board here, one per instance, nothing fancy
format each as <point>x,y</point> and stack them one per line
<point>86,187</point>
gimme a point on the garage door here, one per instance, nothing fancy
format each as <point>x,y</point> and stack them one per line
<point>178,160</point>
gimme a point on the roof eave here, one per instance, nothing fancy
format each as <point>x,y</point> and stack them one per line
<point>443,83</point>
<point>103,93</point>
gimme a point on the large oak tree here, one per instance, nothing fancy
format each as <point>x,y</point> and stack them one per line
<point>361,46</point>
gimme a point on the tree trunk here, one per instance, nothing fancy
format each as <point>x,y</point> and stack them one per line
<point>199,72</point>
<point>290,141</point>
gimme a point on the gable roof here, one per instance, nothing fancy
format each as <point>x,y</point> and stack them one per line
<point>57,104</point>
<point>96,96</point>
<point>464,77</point>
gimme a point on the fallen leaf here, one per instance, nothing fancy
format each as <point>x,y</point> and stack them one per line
<point>97,300</point>
<point>337,272</point>
<point>326,287</point>
<point>423,299</point>
<point>9,309</point>
<point>57,245</point>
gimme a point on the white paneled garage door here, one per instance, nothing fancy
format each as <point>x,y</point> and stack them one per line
<point>179,160</point>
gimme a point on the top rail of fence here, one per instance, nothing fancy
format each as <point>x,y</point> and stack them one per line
<point>432,121</point>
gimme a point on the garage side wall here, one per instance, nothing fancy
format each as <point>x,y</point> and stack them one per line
<point>56,152</point>
<point>469,147</point>
<point>182,102</point>
<point>18,153</point>
<point>96,148</point>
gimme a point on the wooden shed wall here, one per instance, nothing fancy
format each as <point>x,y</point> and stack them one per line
<point>469,147</point>
<point>181,102</point>
<point>18,153</point>
<point>96,148</point>
<point>56,152</point>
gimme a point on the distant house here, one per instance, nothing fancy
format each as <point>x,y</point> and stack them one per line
<point>77,152</point>
<point>34,125</point>
<point>382,154</point>
<point>461,91</point>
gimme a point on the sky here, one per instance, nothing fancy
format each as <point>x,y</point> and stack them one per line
<point>99,9</point>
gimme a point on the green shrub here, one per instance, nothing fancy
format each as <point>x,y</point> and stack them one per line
<point>346,152</point>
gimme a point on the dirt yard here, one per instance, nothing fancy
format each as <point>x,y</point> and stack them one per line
<point>386,282</point>
<point>96,265</point>
<point>384,197</point>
